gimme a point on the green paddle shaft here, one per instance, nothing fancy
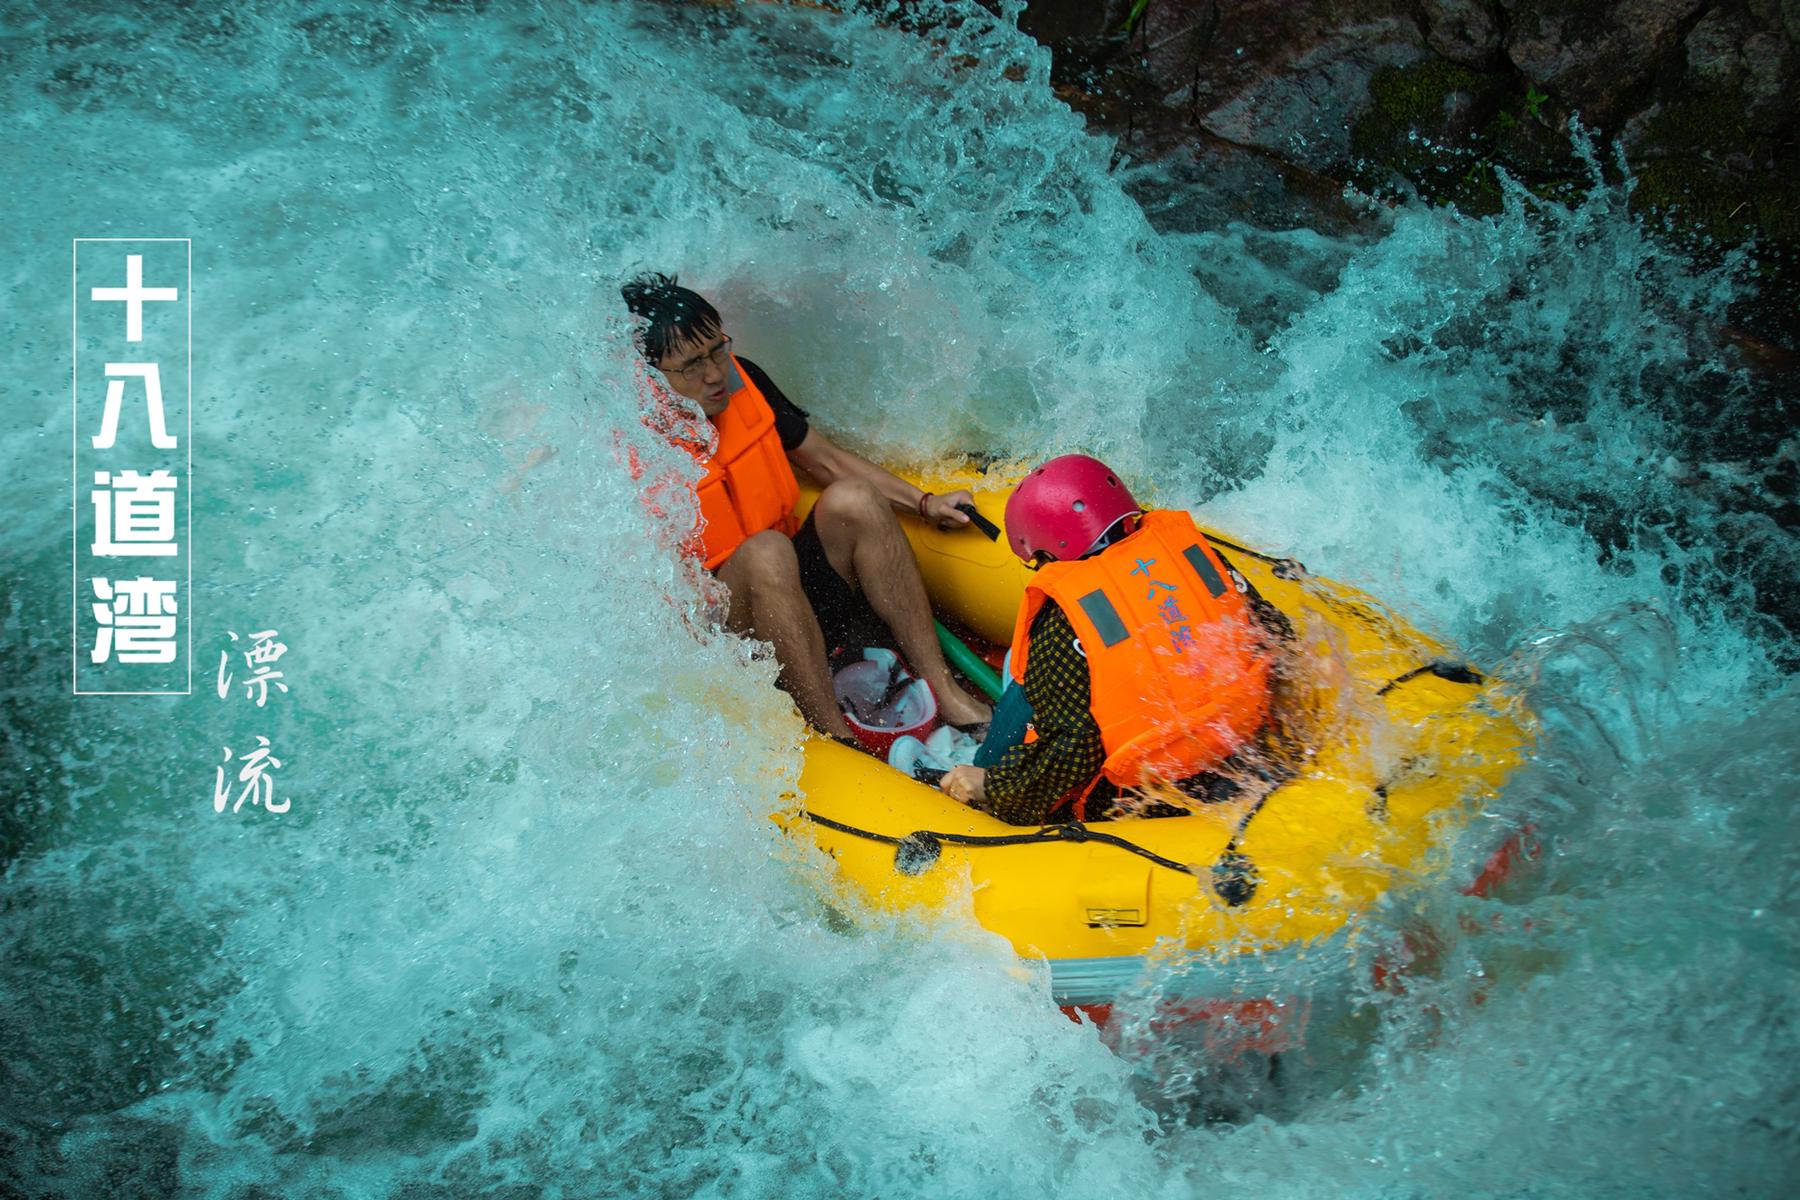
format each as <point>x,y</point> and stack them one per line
<point>968,662</point>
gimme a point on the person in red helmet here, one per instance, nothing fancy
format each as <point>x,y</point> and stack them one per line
<point>1139,656</point>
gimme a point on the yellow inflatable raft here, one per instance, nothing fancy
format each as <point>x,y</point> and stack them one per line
<point>1393,743</point>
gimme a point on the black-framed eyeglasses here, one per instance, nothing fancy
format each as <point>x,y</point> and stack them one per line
<point>694,369</point>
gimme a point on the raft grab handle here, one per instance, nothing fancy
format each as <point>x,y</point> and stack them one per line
<point>1449,672</point>
<point>980,522</point>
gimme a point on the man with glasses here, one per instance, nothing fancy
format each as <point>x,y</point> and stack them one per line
<point>806,588</point>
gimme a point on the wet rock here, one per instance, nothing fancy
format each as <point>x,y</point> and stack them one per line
<point>1727,49</point>
<point>1465,32</point>
<point>1595,58</point>
<point>1072,22</point>
<point>1422,128</point>
<point>1304,110</point>
<point>1275,75</point>
<point>1440,96</point>
<point>1716,147</point>
<point>1714,47</point>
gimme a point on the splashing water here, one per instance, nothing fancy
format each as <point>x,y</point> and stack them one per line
<point>527,930</point>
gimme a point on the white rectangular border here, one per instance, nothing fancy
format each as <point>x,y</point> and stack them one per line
<point>74,481</point>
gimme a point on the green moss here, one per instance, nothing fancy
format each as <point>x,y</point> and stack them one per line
<point>1451,151</point>
<point>1700,200</point>
<point>1413,96</point>
<point>1714,120</point>
<point>1417,124</point>
<point>1694,138</point>
<point>1526,135</point>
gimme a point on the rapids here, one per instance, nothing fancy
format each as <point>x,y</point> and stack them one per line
<point>526,929</point>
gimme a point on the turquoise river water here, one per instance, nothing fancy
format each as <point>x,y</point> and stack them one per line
<point>526,929</point>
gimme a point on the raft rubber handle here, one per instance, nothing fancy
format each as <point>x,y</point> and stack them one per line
<point>980,522</point>
<point>971,664</point>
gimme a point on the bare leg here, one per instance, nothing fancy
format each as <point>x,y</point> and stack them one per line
<point>767,602</point>
<point>864,543</point>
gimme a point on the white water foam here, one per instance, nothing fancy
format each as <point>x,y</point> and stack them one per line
<point>527,929</point>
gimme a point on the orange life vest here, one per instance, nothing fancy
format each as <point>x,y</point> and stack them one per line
<point>749,486</point>
<point>1179,669</point>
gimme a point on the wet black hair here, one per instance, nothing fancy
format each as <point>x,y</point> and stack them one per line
<point>676,314</point>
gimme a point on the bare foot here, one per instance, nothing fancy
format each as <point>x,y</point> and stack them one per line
<point>959,708</point>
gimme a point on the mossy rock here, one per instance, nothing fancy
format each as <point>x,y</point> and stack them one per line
<point>1700,199</point>
<point>1529,136</point>
<point>1447,129</point>
<point>1414,96</point>
<point>1707,164</point>
<point>1421,124</point>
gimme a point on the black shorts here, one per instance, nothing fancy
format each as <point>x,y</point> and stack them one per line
<point>844,613</point>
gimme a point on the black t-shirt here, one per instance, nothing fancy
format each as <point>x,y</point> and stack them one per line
<point>791,423</point>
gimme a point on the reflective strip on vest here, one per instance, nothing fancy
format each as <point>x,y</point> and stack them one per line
<point>1105,617</point>
<point>1196,558</point>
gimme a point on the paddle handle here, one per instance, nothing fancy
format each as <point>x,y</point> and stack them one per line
<point>980,522</point>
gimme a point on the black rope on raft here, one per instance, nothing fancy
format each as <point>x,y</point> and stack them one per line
<point>1285,568</point>
<point>919,848</point>
<point>1234,875</point>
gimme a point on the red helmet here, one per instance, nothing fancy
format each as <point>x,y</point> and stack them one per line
<point>1061,509</point>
